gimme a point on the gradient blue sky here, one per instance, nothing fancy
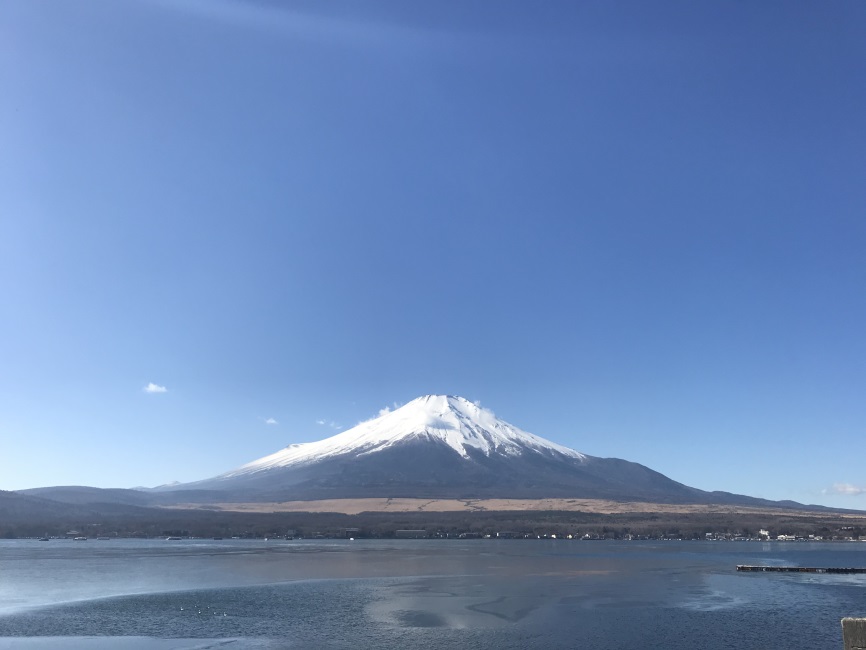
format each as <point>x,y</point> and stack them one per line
<point>634,228</point>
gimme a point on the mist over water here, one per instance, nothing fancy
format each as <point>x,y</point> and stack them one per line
<point>423,593</point>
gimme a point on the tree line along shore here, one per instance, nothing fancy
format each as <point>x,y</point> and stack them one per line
<point>149,522</point>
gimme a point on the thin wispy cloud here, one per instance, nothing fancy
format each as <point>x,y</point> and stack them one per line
<point>329,423</point>
<point>155,388</point>
<point>271,421</point>
<point>287,20</point>
<point>846,488</point>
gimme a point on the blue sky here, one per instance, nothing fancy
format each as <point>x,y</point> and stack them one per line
<point>636,229</point>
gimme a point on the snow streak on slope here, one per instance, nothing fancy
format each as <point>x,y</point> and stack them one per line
<point>454,421</point>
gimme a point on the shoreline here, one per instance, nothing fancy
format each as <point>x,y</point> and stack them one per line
<point>406,505</point>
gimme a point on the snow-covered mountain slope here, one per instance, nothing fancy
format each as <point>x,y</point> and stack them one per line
<point>437,446</point>
<point>454,421</point>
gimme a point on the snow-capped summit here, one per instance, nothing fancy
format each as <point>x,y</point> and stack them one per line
<point>462,425</point>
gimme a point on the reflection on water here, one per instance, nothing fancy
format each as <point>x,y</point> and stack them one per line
<point>425,593</point>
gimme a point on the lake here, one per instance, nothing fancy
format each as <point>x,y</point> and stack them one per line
<point>155,594</point>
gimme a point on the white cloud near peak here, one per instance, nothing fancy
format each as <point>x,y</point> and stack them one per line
<point>155,388</point>
<point>271,421</point>
<point>386,410</point>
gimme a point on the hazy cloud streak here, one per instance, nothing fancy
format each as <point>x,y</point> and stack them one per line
<point>847,488</point>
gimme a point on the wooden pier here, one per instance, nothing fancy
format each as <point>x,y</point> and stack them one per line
<point>799,569</point>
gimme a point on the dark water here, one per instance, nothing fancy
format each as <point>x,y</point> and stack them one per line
<point>424,594</point>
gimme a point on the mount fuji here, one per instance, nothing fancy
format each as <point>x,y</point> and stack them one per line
<point>443,446</point>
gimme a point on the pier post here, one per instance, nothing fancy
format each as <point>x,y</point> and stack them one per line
<point>854,633</point>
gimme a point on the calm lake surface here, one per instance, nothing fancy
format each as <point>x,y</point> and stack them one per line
<point>159,594</point>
